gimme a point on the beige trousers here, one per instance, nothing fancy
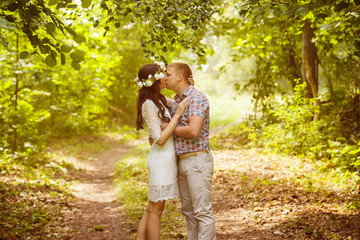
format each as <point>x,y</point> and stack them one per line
<point>195,176</point>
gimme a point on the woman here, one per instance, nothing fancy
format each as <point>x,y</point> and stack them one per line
<point>152,107</point>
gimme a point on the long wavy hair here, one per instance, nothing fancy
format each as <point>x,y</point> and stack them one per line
<point>152,93</point>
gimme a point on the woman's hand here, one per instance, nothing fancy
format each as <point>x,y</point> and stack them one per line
<point>181,108</point>
<point>170,127</point>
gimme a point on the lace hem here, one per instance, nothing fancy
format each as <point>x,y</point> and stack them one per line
<point>158,193</point>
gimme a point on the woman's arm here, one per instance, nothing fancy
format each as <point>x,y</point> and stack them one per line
<point>166,133</point>
<point>150,115</point>
<point>191,131</point>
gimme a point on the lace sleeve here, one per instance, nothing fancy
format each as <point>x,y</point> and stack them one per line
<point>150,114</point>
<point>170,102</point>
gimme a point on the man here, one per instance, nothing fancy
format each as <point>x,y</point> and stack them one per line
<point>195,166</point>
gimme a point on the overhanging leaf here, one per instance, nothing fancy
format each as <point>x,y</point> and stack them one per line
<point>50,27</point>
<point>44,48</point>
<point>71,31</point>
<point>79,38</point>
<point>53,2</point>
<point>85,3</point>
<point>77,56</point>
<point>65,48</point>
<point>50,61</point>
<point>72,6</point>
<point>63,61</point>
<point>24,54</point>
<point>75,65</point>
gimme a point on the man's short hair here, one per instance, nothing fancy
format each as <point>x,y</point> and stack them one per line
<point>184,70</point>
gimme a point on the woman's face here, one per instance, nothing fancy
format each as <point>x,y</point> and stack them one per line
<point>162,83</point>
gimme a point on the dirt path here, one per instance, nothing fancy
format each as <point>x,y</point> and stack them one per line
<point>95,213</point>
<point>255,197</point>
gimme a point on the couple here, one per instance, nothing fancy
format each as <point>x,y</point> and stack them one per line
<point>179,160</point>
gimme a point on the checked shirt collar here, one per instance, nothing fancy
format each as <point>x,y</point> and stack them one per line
<point>184,94</point>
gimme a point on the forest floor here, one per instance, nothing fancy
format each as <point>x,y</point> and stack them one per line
<point>255,196</point>
<point>264,196</point>
<point>94,212</point>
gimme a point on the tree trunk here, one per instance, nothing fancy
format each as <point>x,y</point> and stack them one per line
<point>310,66</point>
<point>16,94</point>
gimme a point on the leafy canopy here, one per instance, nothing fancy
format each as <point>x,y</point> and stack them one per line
<point>161,24</point>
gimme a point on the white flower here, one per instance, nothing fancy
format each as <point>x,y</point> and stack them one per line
<point>161,75</point>
<point>157,76</point>
<point>148,83</point>
<point>162,66</point>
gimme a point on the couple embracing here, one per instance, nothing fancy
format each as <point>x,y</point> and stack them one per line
<point>179,161</point>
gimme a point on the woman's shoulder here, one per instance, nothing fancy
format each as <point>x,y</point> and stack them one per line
<point>148,103</point>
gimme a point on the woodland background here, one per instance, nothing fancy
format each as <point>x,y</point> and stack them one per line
<point>283,74</point>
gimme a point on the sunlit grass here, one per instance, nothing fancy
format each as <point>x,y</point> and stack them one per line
<point>132,182</point>
<point>226,110</point>
<point>83,147</point>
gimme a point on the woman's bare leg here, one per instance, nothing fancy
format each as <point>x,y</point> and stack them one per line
<point>153,223</point>
<point>141,234</point>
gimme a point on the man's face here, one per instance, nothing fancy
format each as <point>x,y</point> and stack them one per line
<point>171,78</point>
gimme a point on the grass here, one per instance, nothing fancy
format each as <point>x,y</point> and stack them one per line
<point>83,147</point>
<point>132,181</point>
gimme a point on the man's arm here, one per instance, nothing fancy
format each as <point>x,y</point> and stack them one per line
<point>191,131</point>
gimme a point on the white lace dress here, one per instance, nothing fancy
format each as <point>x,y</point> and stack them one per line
<point>161,159</point>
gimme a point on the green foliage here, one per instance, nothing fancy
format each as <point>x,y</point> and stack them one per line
<point>164,24</point>
<point>59,101</point>
<point>288,128</point>
<point>270,32</point>
<point>291,128</point>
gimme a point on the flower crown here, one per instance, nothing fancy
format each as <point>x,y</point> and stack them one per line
<point>160,74</point>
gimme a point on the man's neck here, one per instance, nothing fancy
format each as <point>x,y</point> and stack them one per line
<point>181,89</point>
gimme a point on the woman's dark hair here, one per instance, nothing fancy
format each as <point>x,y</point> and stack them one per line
<point>152,93</point>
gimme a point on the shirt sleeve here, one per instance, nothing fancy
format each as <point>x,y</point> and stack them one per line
<point>150,114</point>
<point>198,105</point>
